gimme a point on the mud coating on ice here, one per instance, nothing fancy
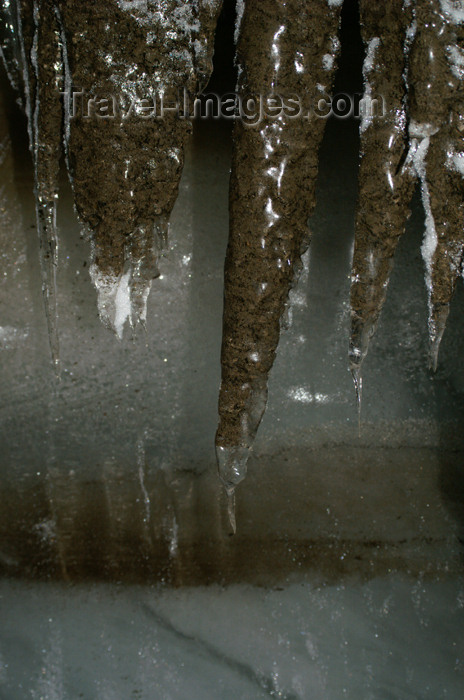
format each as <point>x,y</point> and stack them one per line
<point>419,73</point>
<point>385,186</point>
<point>272,194</point>
<point>85,66</point>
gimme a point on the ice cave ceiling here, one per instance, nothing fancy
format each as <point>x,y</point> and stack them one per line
<point>89,73</point>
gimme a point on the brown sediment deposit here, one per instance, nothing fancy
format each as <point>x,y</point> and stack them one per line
<point>385,182</point>
<point>437,131</point>
<point>131,61</point>
<point>416,62</point>
<point>284,49</point>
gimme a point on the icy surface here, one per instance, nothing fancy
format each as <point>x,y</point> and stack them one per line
<point>238,22</point>
<point>392,637</point>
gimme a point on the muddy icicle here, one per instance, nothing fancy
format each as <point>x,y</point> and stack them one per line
<point>112,68</point>
<point>287,49</point>
<point>385,179</point>
<point>126,62</point>
<point>437,151</point>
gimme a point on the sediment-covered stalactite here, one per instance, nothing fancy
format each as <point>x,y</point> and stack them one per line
<point>415,61</point>
<point>133,62</point>
<point>116,75</point>
<point>385,179</point>
<point>286,50</point>
<point>437,150</point>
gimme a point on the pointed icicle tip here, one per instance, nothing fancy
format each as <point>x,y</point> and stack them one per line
<point>232,468</point>
<point>232,464</point>
<point>437,325</point>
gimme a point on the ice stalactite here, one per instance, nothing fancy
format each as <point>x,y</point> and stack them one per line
<point>120,77</point>
<point>386,180</point>
<point>415,61</point>
<point>437,151</point>
<point>32,54</point>
<point>287,49</point>
<point>130,65</point>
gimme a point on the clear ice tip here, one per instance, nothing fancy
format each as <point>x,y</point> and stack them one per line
<point>357,379</point>
<point>433,355</point>
<point>437,325</point>
<point>232,468</point>
<point>232,464</point>
<point>230,493</point>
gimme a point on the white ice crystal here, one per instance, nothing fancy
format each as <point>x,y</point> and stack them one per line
<point>240,9</point>
<point>455,161</point>
<point>303,395</point>
<point>181,18</point>
<point>327,61</point>
<point>454,10</point>
<point>114,301</point>
<point>369,62</point>
<point>456,61</point>
<point>370,55</point>
<point>420,135</point>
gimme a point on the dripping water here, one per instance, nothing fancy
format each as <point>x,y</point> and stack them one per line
<point>230,493</point>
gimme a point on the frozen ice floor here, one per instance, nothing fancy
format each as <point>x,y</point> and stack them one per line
<point>393,637</point>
